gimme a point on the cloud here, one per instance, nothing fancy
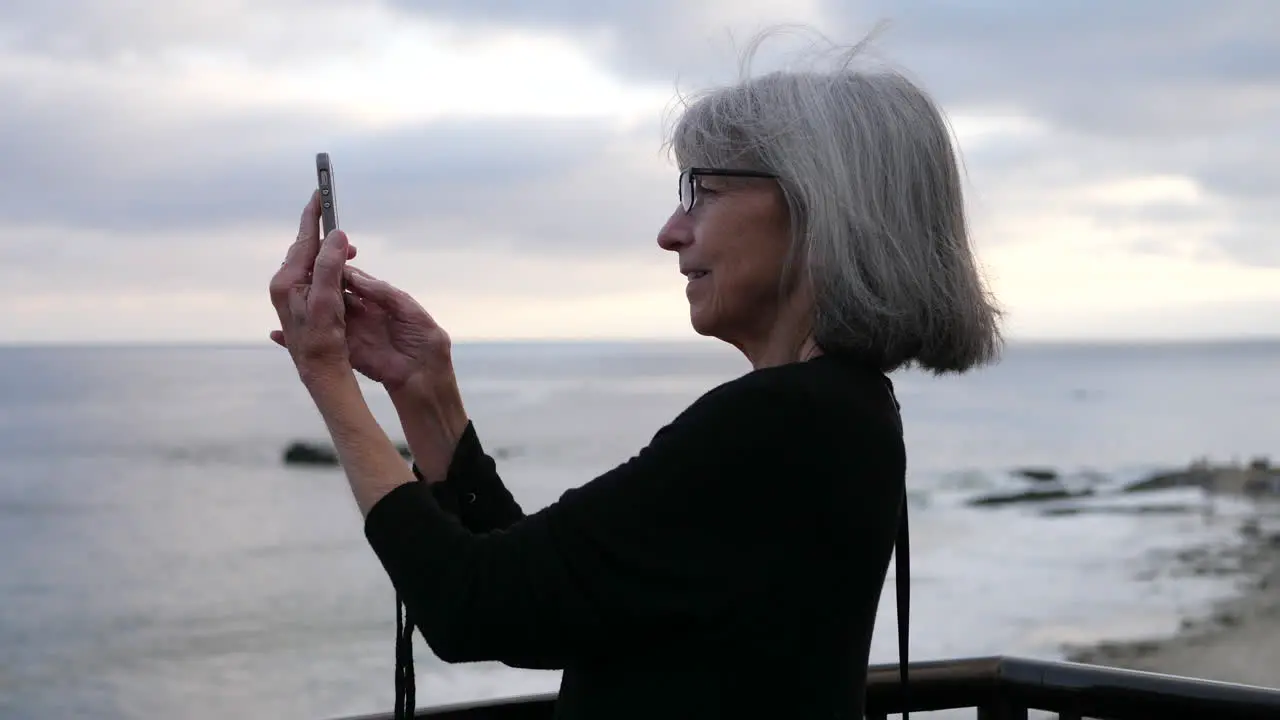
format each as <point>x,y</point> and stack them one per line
<point>1131,68</point>
<point>1145,57</point>
<point>661,40</point>
<point>504,178</point>
<point>491,149</point>
<point>1156,87</point>
<point>141,29</point>
<point>143,148</point>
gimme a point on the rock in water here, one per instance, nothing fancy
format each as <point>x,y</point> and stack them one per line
<point>1036,473</point>
<point>1029,496</point>
<point>305,453</point>
<point>301,453</point>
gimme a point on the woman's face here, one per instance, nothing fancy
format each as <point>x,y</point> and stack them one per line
<point>732,245</point>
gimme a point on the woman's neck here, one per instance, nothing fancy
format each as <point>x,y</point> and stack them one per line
<point>781,351</point>
<point>784,338</point>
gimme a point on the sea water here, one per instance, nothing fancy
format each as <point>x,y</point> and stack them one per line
<point>158,559</point>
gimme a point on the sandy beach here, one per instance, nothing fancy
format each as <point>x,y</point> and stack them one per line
<point>1240,639</point>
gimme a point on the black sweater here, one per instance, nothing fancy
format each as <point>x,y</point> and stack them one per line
<point>732,567</point>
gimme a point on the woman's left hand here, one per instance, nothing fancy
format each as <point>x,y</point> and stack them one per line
<point>307,294</point>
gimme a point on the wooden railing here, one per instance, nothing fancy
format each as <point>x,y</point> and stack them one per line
<point>997,688</point>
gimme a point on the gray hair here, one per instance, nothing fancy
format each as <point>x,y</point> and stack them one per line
<point>865,160</point>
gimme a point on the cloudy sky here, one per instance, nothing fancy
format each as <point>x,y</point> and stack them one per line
<point>501,159</point>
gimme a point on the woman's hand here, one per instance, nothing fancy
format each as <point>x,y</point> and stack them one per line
<point>391,338</point>
<point>374,328</point>
<point>307,294</point>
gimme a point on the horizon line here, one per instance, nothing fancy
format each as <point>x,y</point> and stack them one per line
<point>569,340</point>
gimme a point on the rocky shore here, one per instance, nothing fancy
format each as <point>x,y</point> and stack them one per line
<point>1257,479</point>
<point>1239,641</point>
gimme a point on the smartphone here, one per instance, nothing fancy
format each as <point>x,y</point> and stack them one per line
<point>328,195</point>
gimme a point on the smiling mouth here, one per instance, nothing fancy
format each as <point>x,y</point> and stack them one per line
<point>695,274</point>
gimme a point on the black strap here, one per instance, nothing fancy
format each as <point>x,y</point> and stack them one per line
<point>405,702</point>
<point>902,573</point>
<point>903,579</point>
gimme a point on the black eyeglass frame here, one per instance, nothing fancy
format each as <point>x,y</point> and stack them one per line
<point>687,175</point>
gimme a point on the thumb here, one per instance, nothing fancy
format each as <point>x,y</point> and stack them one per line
<point>327,274</point>
<point>277,337</point>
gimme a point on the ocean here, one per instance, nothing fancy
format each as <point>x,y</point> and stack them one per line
<point>158,559</point>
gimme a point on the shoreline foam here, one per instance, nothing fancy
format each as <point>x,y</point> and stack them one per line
<point>1239,640</point>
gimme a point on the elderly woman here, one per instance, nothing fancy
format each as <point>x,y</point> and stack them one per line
<point>735,564</point>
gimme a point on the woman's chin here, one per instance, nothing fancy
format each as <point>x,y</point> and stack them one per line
<point>702,324</point>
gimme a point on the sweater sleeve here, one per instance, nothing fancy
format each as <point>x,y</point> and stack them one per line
<point>665,542</point>
<point>472,491</point>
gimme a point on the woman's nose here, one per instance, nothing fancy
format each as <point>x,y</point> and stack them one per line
<point>677,232</point>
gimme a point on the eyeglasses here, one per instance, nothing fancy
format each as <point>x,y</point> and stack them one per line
<point>689,185</point>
